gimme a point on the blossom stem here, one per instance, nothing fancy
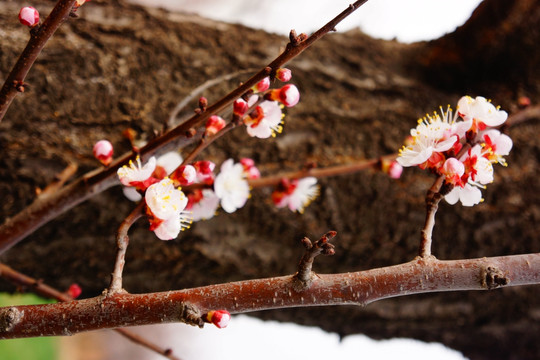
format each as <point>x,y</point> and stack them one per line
<point>433,197</point>
<point>47,291</point>
<point>122,242</point>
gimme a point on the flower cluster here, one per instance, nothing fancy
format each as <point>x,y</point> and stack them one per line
<point>230,188</point>
<point>462,147</point>
<point>165,203</point>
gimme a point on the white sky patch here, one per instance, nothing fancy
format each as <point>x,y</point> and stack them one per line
<point>251,338</point>
<point>407,21</point>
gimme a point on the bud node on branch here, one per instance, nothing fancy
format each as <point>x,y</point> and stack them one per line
<point>493,277</point>
<point>304,277</point>
<point>9,318</point>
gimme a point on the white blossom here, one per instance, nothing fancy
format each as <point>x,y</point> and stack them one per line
<point>231,186</point>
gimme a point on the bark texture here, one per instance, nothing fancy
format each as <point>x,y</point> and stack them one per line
<point>119,66</point>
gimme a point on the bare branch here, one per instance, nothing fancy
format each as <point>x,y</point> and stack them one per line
<point>360,288</point>
<point>304,276</point>
<point>46,291</point>
<point>122,242</point>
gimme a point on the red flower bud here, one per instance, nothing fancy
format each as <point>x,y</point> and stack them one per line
<point>29,16</point>
<point>284,74</point>
<point>240,107</point>
<point>103,151</point>
<point>289,95</point>
<point>74,291</point>
<point>262,85</point>
<point>220,318</point>
<point>214,125</point>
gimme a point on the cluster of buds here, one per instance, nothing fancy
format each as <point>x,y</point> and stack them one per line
<point>295,194</point>
<point>266,117</point>
<point>462,148</point>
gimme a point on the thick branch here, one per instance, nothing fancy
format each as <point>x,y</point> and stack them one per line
<point>46,291</point>
<point>360,288</point>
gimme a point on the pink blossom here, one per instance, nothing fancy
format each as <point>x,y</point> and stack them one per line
<point>29,16</point>
<point>103,151</point>
<point>296,194</point>
<point>265,120</point>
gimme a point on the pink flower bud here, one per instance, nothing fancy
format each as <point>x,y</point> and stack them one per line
<point>184,175</point>
<point>214,125</point>
<point>395,170</point>
<point>74,291</point>
<point>250,169</point>
<point>284,74</point>
<point>29,16</point>
<point>262,85</point>
<point>240,107</point>
<point>203,103</point>
<point>220,318</point>
<point>103,151</point>
<point>289,95</point>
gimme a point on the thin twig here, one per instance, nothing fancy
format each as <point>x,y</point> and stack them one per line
<point>49,292</point>
<point>199,89</point>
<point>304,276</point>
<point>122,242</point>
<point>59,180</point>
<point>357,288</point>
<point>433,198</point>
<point>37,41</point>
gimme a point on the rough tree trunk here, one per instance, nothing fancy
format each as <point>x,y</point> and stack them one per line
<point>120,66</point>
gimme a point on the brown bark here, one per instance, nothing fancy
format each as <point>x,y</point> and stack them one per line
<point>120,66</point>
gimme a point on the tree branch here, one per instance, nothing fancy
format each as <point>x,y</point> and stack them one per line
<point>47,291</point>
<point>358,288</point>
<point>37,41</point>
<point>122,242</point>
<point>42,211</point>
